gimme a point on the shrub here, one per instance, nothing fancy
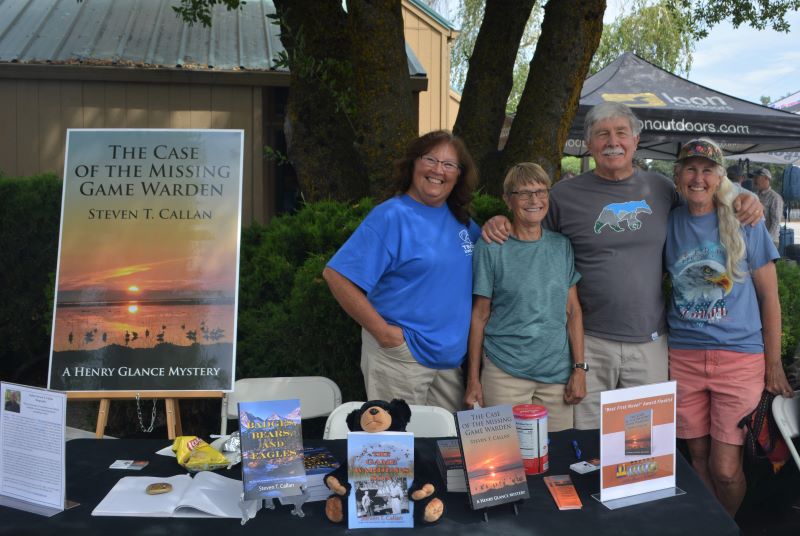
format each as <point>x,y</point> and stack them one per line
<point>29,222</point>
<point>789,291</point>
<point>484,206</point>
<point>289,323</point>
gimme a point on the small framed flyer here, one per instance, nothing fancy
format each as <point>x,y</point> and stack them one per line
<point>32,425</point>
<point>637,445</point>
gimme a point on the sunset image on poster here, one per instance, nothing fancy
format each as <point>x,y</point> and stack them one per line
<point>148,261</point>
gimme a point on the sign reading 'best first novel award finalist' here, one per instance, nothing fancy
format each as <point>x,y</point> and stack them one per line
<point>147,278</point>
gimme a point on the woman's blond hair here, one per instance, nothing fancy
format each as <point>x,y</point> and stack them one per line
<point>730,230</point>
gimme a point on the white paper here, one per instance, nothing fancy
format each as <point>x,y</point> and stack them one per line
<point>206,495</point>
<point>625,475</point>
<point>32,428</point>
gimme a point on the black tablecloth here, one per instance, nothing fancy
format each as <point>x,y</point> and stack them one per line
<point>89,479</point>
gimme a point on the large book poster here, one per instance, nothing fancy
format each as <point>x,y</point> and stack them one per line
<point>637,440</point>
<point>147,279</point>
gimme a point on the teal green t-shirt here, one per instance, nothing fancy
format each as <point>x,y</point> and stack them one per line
<point>528,283</point>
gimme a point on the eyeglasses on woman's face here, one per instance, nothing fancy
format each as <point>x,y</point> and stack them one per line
<point>526,195</point>
<point>447,165</point>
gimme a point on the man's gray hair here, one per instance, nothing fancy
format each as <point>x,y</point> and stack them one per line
<point>610,110</point>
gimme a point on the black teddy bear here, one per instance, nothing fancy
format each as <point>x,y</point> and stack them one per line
<point>381,416</point>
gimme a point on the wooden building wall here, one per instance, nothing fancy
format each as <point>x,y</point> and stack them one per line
<point>35,114</point>
<point>430,42</point>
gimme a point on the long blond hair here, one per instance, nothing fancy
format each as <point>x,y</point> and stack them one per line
<point>730,230</point>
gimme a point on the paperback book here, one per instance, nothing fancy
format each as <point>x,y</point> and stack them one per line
<point>451,465</point>
<point>563,492</point>
<point>206,495</point>
<point>318,462</point>
<point>272,449</point>
<point>381,471</point>
<point>638,432</point>
<point>490,448</point>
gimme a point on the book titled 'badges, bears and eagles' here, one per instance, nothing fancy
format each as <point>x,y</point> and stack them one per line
<point>272,449</point>
<point>490,446</point>
<point>380,470</point>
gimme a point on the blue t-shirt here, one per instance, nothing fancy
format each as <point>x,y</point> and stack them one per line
<point>415,264</point>
<point>528,283</point>
<point>709,309</point>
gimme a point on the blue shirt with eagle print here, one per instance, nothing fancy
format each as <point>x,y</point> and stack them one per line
<point>709,308</point>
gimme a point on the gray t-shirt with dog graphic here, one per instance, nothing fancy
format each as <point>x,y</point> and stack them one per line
<point>618,230</point>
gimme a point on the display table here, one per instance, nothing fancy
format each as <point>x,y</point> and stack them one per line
<point>89,479</point>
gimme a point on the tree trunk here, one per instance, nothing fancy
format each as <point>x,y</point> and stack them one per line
<point>571,32</point>
<point>320,135</point>
<point>384,118</point>
<point>490,78</point>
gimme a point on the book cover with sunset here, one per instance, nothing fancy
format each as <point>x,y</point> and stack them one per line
<point>638,432</point>
<point>272,449</point>
<point>147,278</point>
<point>490,446</point>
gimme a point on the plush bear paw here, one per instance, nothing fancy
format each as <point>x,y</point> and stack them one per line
<point>334,509</point>
<point>433,511</point>
<point>335,486</point>
<point>428,508</point>
<point>425,491</point>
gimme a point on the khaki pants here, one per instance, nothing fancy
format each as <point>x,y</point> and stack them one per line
<point>394,373</point>
<point>614,364</point>
<point>502,388</point>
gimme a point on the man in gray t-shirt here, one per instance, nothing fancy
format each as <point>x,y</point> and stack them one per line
<point>615,217</point>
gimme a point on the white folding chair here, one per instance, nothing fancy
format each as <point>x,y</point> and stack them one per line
<point>336,425</point>
<point>426,421</point>
<point>318,395</point>
<point>786,412</point>
<point>431,421</point>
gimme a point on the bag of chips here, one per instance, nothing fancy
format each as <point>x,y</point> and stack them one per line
<point>194,454</point>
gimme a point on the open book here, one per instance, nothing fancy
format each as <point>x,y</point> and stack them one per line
<point>206,495</point>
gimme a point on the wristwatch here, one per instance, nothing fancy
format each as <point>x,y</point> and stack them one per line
<point>583,366</point>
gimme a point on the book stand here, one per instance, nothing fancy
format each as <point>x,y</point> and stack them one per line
<point>171,400</point>
<point>296,501</point>
<point>514,505</point>
<point>243,506</point>
<point>640,498</point>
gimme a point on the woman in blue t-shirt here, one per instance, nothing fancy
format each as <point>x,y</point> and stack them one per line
<point>405,275</point>
<point>724,319</point>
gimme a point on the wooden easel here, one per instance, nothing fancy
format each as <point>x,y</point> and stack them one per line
<point>171,399</point>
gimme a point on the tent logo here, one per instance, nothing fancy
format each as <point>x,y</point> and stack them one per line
<point>634,99</point>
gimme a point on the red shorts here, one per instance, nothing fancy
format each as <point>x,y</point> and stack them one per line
<point>716,388</point>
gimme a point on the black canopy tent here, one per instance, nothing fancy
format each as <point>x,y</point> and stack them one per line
<point>674,110</point>
<point>788,104</point>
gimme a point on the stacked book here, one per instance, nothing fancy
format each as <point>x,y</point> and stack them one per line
<point>451,465</point>
<point>318,462</point>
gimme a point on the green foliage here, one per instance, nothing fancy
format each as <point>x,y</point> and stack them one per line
<point>29,222</point>
<point>756,13</point>
<point>657,32</point>
<point>289,323</point>
<point>789,291</point>
<point>193,11</point>
<point>484,206</point>
<point>572,164</point>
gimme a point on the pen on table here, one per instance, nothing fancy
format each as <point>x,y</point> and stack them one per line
<point>577,449</point>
